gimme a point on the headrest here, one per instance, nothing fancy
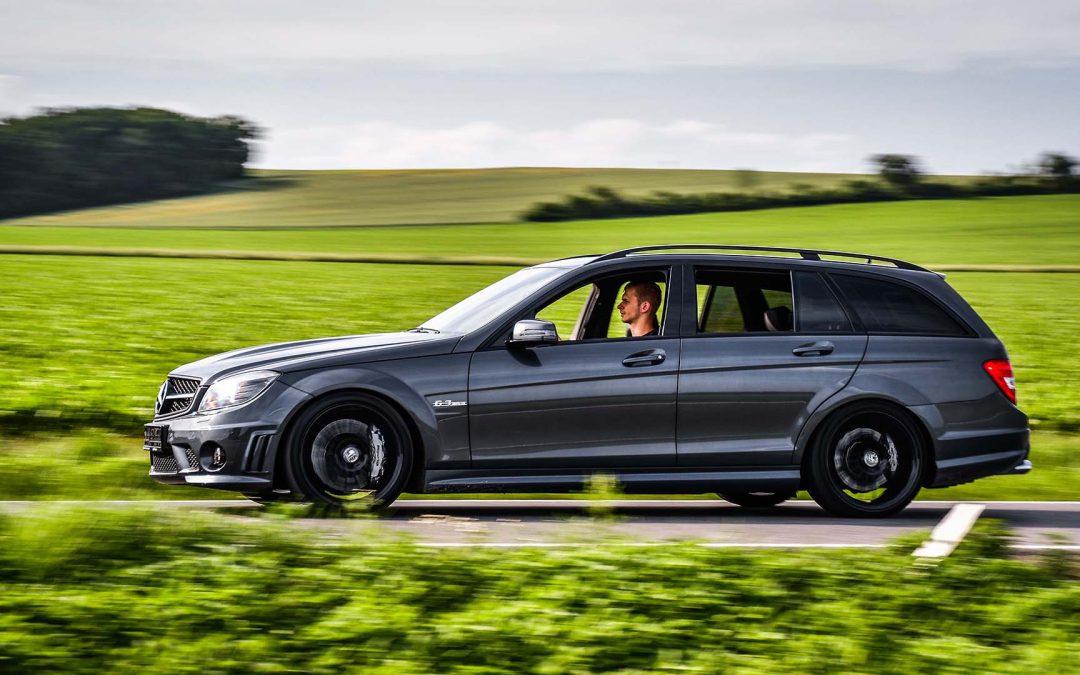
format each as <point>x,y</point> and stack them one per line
<point>778,319</point>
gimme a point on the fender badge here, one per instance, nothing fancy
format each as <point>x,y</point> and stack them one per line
<point>447,403</point>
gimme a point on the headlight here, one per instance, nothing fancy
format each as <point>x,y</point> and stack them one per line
<point>236,390</point>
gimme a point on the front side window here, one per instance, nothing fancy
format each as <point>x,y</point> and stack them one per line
<point>736,301</point>
<point>887,307</point>
<point>614,306</point>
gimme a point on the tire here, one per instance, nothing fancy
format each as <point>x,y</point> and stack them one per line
<point>756,500</point>
<point>349,449</point>
<point>866,461</point>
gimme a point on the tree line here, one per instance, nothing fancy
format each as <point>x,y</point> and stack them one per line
<point>78,157</point>
<point>899,177</point>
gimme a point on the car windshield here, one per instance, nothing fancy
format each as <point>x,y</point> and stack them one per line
<point>484,306</point>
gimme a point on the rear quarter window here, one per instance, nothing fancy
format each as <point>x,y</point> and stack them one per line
<point>887,307</point>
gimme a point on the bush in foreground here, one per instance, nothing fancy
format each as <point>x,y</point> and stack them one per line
<point>96,591</point>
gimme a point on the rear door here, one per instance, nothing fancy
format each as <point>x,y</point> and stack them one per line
<point>768,346</point>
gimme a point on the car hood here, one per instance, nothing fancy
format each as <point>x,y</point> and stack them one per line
<point>322,352</point>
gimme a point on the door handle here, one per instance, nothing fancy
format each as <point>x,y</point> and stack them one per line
<point>652,357</point>
<point>814,349</point>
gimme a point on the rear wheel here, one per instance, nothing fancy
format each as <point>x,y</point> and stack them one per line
<point>756,500</point>
<point>866,461</point>
<point>349,449</point>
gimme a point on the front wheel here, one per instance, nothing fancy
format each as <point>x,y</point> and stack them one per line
<point>349,449</point>
<point>866,461</point>
<point>757,500</point>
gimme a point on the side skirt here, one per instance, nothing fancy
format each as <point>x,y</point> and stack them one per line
<point>658,481</point>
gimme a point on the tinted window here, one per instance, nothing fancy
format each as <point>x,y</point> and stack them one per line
<point>886,307</point>
<point>817,308</point>
<point>732,301</point>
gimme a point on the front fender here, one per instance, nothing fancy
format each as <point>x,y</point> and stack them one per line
<point>337,380</point>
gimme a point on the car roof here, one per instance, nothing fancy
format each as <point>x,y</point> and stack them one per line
<point>742,255</point>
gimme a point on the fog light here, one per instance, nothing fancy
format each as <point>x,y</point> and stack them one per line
<point>213,457</point>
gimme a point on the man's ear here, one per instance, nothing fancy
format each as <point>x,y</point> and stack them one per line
<point>646,307</point>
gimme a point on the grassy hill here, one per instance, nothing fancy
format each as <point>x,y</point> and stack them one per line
<point>413,196</point>
<point>1042,230</point>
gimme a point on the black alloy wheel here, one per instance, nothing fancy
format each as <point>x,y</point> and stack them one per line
<point>348,450</point>
<point>757,500</point>
<point>866,461</point>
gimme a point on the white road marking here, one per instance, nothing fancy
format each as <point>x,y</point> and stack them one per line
<point>1045,547</point>
<point>950,531</point>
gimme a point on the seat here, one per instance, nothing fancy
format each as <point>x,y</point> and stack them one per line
<point>779,319</point>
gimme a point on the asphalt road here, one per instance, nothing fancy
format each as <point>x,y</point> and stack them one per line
<point>796,524</point>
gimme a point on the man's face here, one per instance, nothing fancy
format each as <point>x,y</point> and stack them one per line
<point>630,307</point>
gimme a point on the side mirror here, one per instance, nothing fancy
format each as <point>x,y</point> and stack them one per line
<point>532,333</point>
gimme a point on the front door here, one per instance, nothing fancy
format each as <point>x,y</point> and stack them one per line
<point>604,396</point>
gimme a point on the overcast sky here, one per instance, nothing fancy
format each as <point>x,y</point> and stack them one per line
<point>968,86</point>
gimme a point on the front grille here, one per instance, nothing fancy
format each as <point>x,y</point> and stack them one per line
<point>192,458</point>
<point>163,463</point>
<point>176,396</point>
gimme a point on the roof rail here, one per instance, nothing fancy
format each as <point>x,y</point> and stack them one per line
<point>805,253</point>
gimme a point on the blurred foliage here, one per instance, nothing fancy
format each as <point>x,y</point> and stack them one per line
<point>901,180</point>
<point>902,172</point>
<point>143,591</point>
<point>79,157</point>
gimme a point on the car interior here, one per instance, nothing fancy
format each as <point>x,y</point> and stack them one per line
<point>735,301</point>
<point>590,311</point>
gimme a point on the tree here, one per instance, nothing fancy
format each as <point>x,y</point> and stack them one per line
<point>76,157</point>
<point>1058,166</point>
<point>900,171</point>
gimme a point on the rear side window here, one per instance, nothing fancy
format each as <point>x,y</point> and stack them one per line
<point>885,307</point>
<point>737,301</point>
<point>816,307</point>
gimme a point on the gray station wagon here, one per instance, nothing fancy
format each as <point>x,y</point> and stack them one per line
<point>859,378</point>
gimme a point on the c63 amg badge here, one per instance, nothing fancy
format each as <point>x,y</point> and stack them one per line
<point>447,403</point>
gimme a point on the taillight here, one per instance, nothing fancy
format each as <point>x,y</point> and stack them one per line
<point>1000,371</point>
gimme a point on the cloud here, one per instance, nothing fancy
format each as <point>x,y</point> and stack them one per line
<point>600,142</point>
<point>9,102</point>
<point>550,35</point>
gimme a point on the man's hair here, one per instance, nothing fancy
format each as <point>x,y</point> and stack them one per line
<point>646,290</point>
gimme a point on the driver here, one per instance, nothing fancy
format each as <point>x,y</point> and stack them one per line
<point>640,301</point>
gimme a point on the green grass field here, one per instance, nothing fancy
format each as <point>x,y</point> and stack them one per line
<point>85,337</point>
<point>330,198</point>
<point>85,342</point>
<point>1042,230</point>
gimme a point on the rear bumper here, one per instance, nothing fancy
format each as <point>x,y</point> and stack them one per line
<point>975,439</point>
<point>248,436</point>
<point>966,469</point>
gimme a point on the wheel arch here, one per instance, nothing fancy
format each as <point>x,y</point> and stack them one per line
<point>421,445</point>
<point>813,427</point>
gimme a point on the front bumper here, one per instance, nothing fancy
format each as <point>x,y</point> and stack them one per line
<point>248,436</point>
